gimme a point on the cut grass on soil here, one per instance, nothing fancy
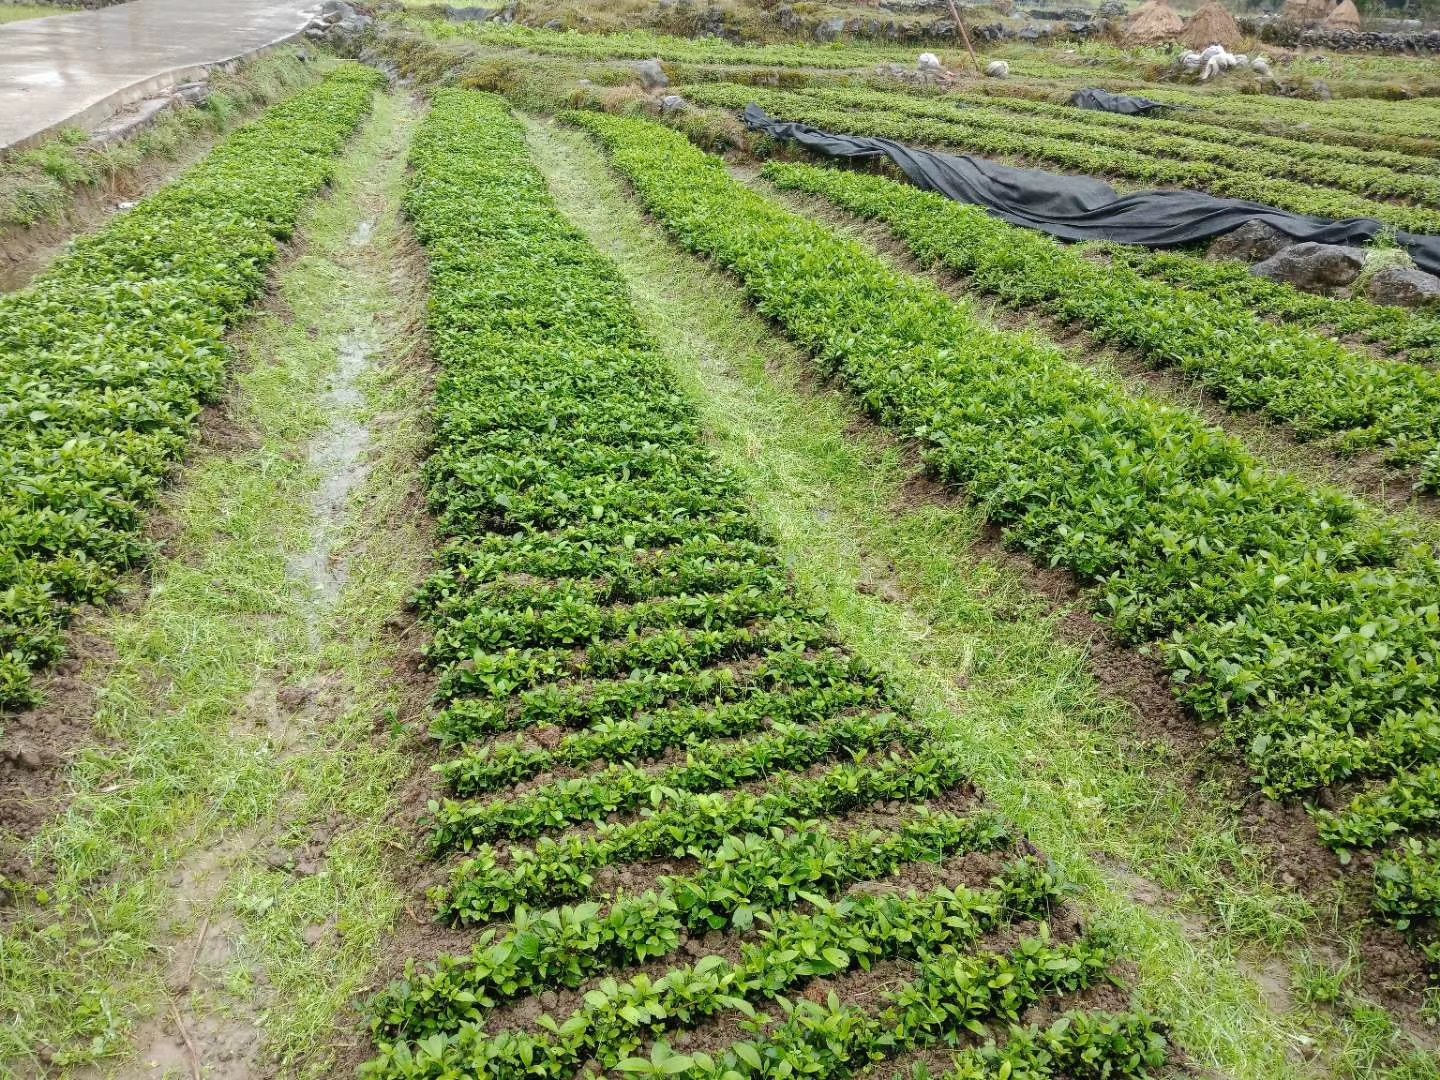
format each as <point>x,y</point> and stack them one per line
<point>961,632</point>
<point>232,819</point>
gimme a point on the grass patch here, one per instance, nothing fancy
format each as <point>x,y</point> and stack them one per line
<point>967,638</point>
<point>318,936</point>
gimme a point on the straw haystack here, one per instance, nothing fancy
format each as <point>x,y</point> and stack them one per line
<point>1345,17</point>
<point>1153,22</point>
<point>1212,25</point>
<point>1305,12</point>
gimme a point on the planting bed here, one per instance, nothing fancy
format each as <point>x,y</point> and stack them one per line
<point>109,357</point>
<point>1080,145</point>
<point>1303,379</point>
<point>1294,617</point>
<point>682,815</point>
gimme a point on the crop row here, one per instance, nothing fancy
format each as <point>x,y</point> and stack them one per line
<point>107,359</point>
<point>1291,615</point>
<point>1053,142</point>
<point>642,44</point>
<point>1302,379</point>
<point>1255,115</point>
<point>1201,125</point>
<point>1159,137</point>
<point>1360,122</point>
<point>1412,334</point>
<point>696,780</point>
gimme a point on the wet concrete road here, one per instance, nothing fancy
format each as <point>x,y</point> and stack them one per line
<point>77,68</point>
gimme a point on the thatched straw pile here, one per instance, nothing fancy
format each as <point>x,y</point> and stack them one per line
<point>1153,22</point>
<point>1345,17</point>
<point>1212,25</point>
<point>1305,12</point>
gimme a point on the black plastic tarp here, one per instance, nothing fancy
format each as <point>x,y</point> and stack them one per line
<point>1081,207</point>
<point>1124,104</point>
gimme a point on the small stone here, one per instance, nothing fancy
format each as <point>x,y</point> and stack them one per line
<point>1403,286</point>
<point>997,69</point>
<point>673,103</point>
<point>1252,242</point>
<point>1313,267</point>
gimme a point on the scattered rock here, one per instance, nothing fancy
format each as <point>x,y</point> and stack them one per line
<point>1253,242</point>
<point>1403,286</point>
<point>928,63</point>
<point>1313,267</point>
<point>504,14</point>
<point>997,69</point>
<point>192,93</point>
<point>342,27</point>
<point>673,103</point>
<point>652,74</point>
<point>829,29</point>
<point>130,121</point>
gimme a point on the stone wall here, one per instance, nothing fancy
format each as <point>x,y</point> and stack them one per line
<point>1318,37</point>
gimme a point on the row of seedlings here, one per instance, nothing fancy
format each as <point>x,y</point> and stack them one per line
<point>1363,122</point>
<point>1293,616</point>
<point>1398,333</point>
<point>1381,174</point>
<point>1309,382</point>
<point>643,45</point>
<point>684,822</point>
<point>1196,126</point>
<point>1046,141</point>
<point>108,358</point>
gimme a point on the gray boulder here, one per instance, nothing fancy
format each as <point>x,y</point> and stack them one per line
<point>1403,286</point>
<point>673,103</point>
<point>1313,267</point>
<point>1252,242</point>
<point>828,29</point>
<point>652,74</point>
<point>342,27</point>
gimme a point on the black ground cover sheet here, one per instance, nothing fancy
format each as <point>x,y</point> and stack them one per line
<point>1081,207</point>
<point>1123,104</point>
